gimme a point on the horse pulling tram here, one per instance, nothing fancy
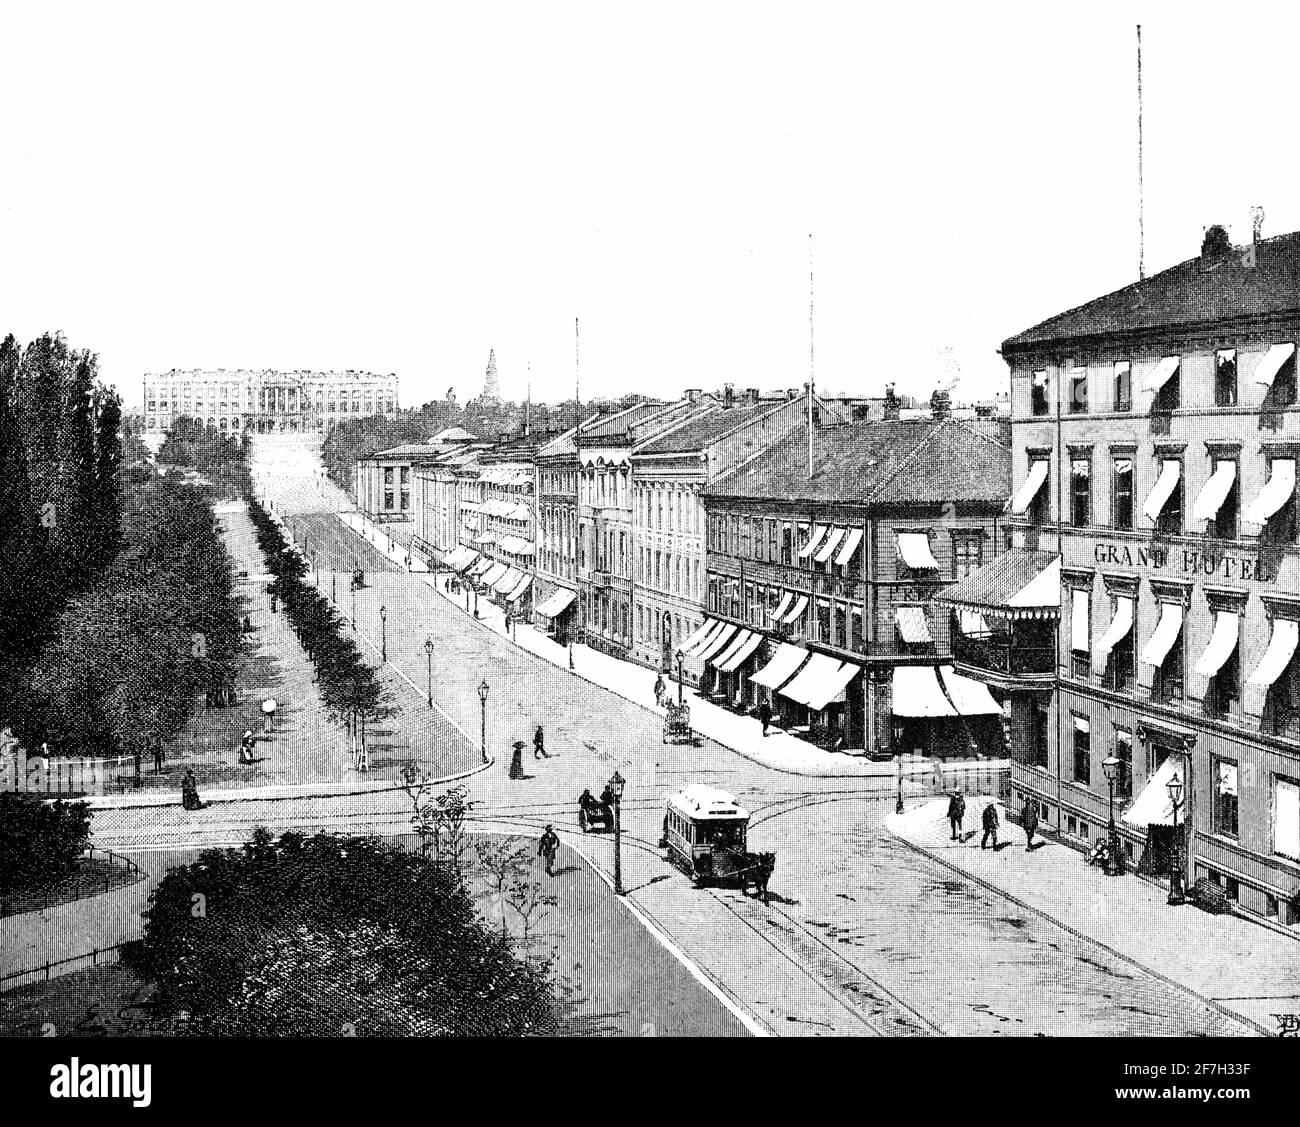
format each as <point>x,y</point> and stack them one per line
<point>705,833</point>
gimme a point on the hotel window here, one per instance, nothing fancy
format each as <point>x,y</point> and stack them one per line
<point>1283,390</point>
<point>1041,500</point>
<point>1282,702</point>
<point>966,556</point>
<point>1286,817</point>
<point>787,544</point>
<point>1039,735</point>
<point>1121,662</point>
<point>1080,492</point>
<point>1038,393</point>
<point>1167,685</point>
<point>1223,525</point>
<point>1124,753</point>
<point>1225,797</point>
<point>1225,377</point>
<point>1276,503</point>
<point>1078,391</point>
<point>1223,695</point>
<point>1121,493</point>
<point>1123,385</point>
<point>1080,631</point>
<point>1170,517</point>
<point>1082,750</point>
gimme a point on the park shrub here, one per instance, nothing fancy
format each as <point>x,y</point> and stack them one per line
<point>40,841</point>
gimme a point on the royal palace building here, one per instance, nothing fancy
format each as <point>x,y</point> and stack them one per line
<point>1155,438</point>
<point>266,402</point>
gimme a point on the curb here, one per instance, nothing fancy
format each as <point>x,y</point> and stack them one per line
<point>991,887</point>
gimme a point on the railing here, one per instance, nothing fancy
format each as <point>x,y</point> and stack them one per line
<point>76,884</point>
<point>1003,656</point>
<point>99,956</point>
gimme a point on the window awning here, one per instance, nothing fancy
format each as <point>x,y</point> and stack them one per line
<point>971,697</point>
<point>972,622</point>
<point>739,652</point>
<point>1030,486</point>
<point>715,644</point>
<point>796,612</point>
<point>486,538</point>
<point>1079,619</point>
<point>808,549</point>
<point>778,614</point>
<point>1118,629</point>
<point>831,688</point>
<point>914,548</point>
<point>520,589</point>
<point>720,656</point>
<point>1167,630</point>
<point>1020,583</point>
<point>851,541</point>
<point>912,624</point>
<point>1159,375</point>
<point>493,573</point>
<point>819,671</point>
<point>782,667</point>
<point>483,565</point>
<point>699,635</point>
<point>556,603</point>
<point>828,545</point>
<point>1212,495</point>
<point>1154,505</point>
<point>1222,642</point>
<point>917,692</point>
<point>1281,648</point>
<point>1272,363</point>
<point>1153,806</point>
<point>508,580</point>
<point>1276,492</point>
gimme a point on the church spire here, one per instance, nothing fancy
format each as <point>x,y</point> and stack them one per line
<point>491,384</point>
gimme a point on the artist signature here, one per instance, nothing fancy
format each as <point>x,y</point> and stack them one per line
<point>136,1016</point>
<point>1288,1025</point>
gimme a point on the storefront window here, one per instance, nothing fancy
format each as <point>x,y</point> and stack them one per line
<point>1225,797</point>
<point>1082,751</point>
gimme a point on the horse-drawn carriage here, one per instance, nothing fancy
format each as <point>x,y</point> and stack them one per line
<point>705,834</point>
<point>358,579</point>
<point>677,723</point>
<point>594,815</point>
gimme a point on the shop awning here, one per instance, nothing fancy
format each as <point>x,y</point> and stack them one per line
<point>1020,583</point>
<point>971,697</point>
<point>520,590</point>
<point>819,530</point>
<point>917,692</point>
<point>739,653</point>
<point>785,662</point>
<point>1029,488</point>
<point>778,615</point>
<point>1170,470</point>
<point>1153,806</point>
<point>851,541</point>
<point>1159,375</point>
<point>738,639</point>
<point>1272,363</point>
<point>1079,619</point>
<point>832,687</point>
<point>1167,629</point>
<point>493,573</point>
<point>486,538</point>
<point>456,558</point>
<point>1281,648</point>
<point>912,625</point>
<point>819,672</point>
<point>1212,494</point>
<point>796,612</point>
<point>517,511</point>
<point>828,545</point>
<point>1119,627</point>
<point>914,548</point>
<point>1275,494</point>
<point>714,645</point>
<point>1222,642</point>
<point>702,637</point>
<point>508,580</point>
<point>484,565</point>
<point>556,603</point>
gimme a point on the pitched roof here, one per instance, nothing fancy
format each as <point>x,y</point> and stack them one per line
<point>878,462</point>
<point>697,433</point>
<point>616,425</point>
<point>1196,292</point>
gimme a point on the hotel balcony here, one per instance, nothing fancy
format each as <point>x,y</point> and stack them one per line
<point>1015,655</point>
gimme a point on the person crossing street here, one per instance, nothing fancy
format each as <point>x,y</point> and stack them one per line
<point>539,744</point>
<point>547,846</point>
<point>990,818</point>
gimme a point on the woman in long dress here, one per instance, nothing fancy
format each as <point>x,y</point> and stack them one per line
<point>190,792</point>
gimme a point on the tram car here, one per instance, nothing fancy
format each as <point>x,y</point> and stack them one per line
<point>705,835</point>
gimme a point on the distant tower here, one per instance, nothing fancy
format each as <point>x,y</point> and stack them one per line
<point>491,384</point>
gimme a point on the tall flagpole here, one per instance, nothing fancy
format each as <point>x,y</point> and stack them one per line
<point>577,368</point>
<point>811,356</point>
<point>1142,270</point>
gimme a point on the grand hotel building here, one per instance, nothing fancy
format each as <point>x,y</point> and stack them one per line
<point>1155,437</point>
<point>265,402</point>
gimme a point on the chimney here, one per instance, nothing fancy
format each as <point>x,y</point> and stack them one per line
<point>693,393</point>
<point>751,393</point>
<point>792,393</point>
<point>728,395</point>
<point>940,404</point>
<point>891,404</point>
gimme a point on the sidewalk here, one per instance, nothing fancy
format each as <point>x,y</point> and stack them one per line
<point>1247,970</point>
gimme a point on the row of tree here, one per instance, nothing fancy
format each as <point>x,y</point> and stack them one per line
<point>348,686</point>
<point>60,492</point>
<point>221,458</point>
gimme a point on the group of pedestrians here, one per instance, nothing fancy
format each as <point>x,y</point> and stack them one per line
<point>989,821</point>
<point>539,752</point>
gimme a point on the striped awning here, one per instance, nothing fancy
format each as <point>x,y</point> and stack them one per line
<point>556,603</point>
<point>520,589</point>
<point>739,652</point>
<point>1020,583</point>
<point>717,641</point>
<point>785,662</point>
<point>912,625</point>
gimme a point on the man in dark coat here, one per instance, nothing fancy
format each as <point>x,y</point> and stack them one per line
<point>990,826</point>
<point>539,742</point>
<point>1029,821</point>
<point>547,846</point>
<point>765,715</point>
<point>956,812</point>
<point>190,792</point>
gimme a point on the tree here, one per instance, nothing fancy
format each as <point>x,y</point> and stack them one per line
<point>20,594</point>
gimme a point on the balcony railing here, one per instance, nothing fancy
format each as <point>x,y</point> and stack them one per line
<point>999,653</point>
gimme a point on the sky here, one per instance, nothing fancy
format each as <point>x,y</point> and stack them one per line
<point>400,187</point>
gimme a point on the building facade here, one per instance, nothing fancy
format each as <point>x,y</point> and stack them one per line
<point>555,593</point>
<point>1155,436</point>
<point>265,402</point>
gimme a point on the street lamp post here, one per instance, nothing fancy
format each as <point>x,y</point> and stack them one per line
<point>428,649</point>
<point>334,587</point>
<point>616,784</point>
<point>570,653</point>
<point>1175,788</point>
<point>353,586</point>
<point>383,627</point>
<point>1114,864</point>
<point>680,658</point>
<point>482,697</point>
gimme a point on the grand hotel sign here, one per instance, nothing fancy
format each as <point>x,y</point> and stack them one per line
<point>1186,561</point>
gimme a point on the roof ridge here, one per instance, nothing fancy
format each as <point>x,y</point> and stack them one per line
<point>673,428</point>
<point>904,462</point>
<point>965,425</point>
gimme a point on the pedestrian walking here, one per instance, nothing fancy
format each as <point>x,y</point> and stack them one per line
<point>990,826</point>
<point>956,812</point>
<point>517,761</point>
<point>190,792</point>
<point>158,757</point>
<point>1029,821</point>
<point>547,847</point>
<point>539,748</point>
<point>765,715</point>
<point>660,688</point>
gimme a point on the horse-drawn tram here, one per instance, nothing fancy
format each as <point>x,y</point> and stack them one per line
<point>705,833</point>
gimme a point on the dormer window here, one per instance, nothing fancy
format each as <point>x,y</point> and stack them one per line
<point>1038,393</point>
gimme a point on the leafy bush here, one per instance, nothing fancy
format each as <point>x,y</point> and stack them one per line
<point>39,841</point>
